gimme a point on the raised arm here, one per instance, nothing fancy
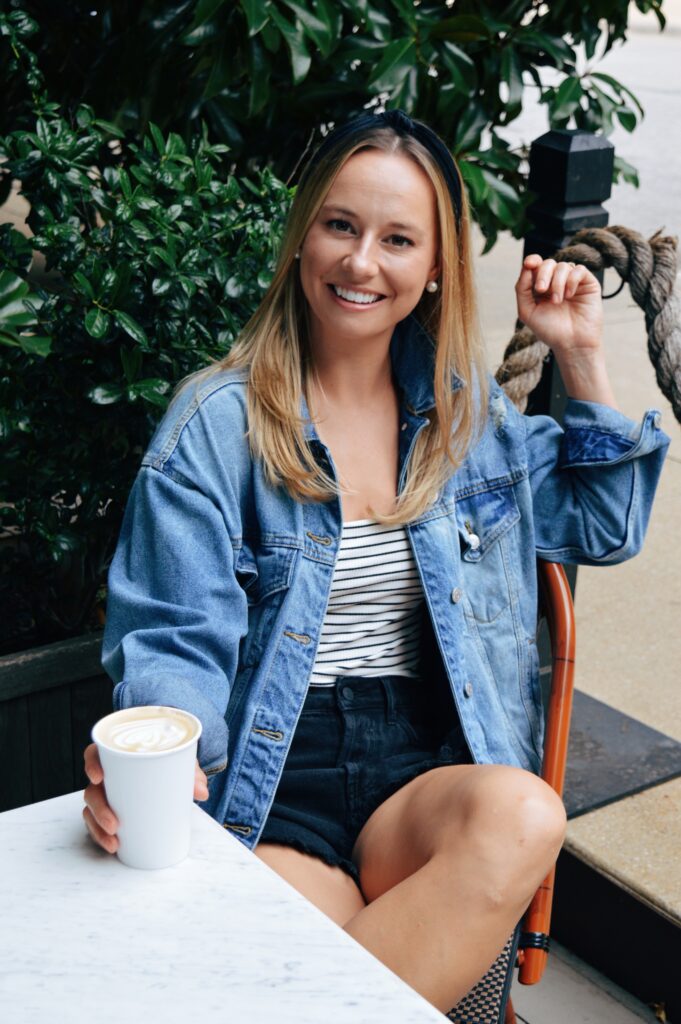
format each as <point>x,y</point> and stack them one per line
<point>562,304</point>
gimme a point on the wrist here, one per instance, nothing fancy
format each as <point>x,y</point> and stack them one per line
<point>585,375</point>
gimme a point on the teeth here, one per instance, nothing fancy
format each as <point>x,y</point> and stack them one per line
<point>362,297</point>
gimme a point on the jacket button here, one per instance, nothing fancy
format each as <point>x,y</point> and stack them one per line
<point>457,594</point>
<point>474,541</point>
<point>468,689</point>
<point>657,419</point>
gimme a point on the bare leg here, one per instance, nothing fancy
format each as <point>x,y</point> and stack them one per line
<point>442,926</point>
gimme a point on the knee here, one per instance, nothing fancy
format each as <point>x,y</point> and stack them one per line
<point>535,812</point>
<point>518,820</point>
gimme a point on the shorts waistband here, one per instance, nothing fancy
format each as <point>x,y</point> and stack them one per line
<point>390,691</point>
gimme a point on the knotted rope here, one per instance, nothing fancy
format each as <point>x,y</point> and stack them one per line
<point>649,267</point>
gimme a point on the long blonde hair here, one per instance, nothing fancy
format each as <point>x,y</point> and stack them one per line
<point>274,346</point>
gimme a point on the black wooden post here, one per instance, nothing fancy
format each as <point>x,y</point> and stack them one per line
<point>571,175</point>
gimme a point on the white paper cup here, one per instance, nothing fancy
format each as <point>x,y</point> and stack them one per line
<point>150,791</point>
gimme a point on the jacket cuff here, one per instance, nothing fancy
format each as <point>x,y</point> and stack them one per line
<point>174,693</point>
<point>598,434</point>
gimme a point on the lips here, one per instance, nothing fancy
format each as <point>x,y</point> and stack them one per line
<point>355,297</point>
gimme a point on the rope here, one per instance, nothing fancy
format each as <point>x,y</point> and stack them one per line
<point>649,267</point>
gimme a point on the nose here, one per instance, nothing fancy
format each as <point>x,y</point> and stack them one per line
<point>360,261</point>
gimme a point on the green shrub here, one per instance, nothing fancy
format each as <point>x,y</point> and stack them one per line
<point>152,265</point>
<point>263,73</point>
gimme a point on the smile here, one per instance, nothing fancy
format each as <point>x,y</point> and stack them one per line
<point>358,298</point>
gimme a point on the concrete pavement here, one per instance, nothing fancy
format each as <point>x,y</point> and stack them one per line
<point>628,616</point>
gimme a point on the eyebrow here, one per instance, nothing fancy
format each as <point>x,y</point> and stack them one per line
<point>411,228</point>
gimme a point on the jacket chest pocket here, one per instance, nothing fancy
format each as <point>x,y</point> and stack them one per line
<point>484,521</point>
<point>264,573</point>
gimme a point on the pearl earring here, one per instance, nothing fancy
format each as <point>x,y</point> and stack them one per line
<point>297,255</point>
<point>431,287</point>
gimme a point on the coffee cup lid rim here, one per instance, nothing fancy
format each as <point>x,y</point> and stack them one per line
<point>147,753</point>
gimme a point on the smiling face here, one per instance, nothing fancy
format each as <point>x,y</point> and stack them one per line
<point>371,249</point>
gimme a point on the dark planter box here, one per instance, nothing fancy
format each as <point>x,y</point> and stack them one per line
<point>50,697</point>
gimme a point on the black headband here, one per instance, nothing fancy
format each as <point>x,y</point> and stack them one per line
<point>403,125</point>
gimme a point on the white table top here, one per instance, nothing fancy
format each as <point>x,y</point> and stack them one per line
<point>219,937</point>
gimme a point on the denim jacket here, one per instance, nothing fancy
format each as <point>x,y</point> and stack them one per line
<point>220,583</point>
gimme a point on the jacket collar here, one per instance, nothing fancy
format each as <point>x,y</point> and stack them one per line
<point>412,354</point>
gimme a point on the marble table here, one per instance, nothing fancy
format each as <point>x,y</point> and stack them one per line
<point>219,937</point>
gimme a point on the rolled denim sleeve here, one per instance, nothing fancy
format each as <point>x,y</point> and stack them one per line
<point>175,610</point>
<point>593,481</point>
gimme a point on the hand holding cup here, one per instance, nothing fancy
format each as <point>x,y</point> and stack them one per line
<point>142,768</point>
<point>101,822</point>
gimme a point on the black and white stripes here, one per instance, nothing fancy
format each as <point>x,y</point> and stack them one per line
<point>372,623</point>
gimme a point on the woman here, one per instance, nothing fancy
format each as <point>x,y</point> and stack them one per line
<point>329,557</point>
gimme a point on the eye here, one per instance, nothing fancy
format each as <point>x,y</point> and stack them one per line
<point>338,225</point>
<point>400,241</point>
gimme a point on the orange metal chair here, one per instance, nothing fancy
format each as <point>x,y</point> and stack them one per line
<point>489,1001</point>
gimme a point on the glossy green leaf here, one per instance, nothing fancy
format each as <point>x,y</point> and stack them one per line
<point>511,73</point>
<point>31,344</point>
<point>152,390</point>
<point>619,89</point>
<point>567,98</point>
<point>204,10</point>
<point>15,295</point>
<point>474,180</point>
<point>318,30</point>
<point>256,15</point>
<point>124,180</point>
<point>627,118</point>
<point>157,136</point>
<point>300,58</point>
<point>625,171</point>
<point>459,64</point>
<point>131,327</point>
<point>97,322</point>
<point>105,394</point>
<point>398,59</point>
<point>469,128</point>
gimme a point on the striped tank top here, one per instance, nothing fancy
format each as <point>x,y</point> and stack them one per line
<point>372,623</point>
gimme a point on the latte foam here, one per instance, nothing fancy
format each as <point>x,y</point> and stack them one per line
<point>146,730</point>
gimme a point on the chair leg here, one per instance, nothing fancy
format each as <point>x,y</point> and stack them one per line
<point>509,1016</point>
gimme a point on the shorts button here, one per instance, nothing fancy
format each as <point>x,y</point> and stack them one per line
<point>348,693</point>
<point>468,689</point>
<point>457,594</point>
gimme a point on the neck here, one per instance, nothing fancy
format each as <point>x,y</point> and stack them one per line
<point>351,378</point>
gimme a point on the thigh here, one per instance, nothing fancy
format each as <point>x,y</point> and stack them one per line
<point>330,888</point>
<point>430,814</point>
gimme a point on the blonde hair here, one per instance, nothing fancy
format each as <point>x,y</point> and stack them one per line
<point>274,346</point>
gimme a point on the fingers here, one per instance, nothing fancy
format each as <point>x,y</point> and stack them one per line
<point>548,280</point>
<point>93,766</point>
<point>101,822</point>
<point>95,798</point>
<point>200,784</point>
<point>103,838</point>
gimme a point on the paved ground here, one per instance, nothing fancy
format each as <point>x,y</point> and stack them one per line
<point>571,992</point>
<point>628,636</point>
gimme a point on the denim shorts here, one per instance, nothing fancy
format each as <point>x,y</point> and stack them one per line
<point>356,743</point>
